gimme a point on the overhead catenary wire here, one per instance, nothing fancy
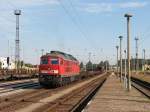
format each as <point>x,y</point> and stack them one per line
<point>75,23</point>
<point>145,35</point>
<point>81,23</point>
<point>11,4</point>
<point>5,17</point>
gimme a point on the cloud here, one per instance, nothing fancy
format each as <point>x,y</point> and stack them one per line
<point>132,4</point>
<point>7,7</point>
<point>109,7</point>
<point>26,3</point>
<point>7,18</point>
<point>96,8</point>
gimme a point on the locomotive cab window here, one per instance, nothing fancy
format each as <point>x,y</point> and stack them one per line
<point>54,61</point>
<point>44,61</point>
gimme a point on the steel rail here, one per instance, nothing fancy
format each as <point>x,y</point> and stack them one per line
<point>142,86</point>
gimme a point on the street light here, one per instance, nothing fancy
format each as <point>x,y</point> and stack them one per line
<point>120,37</point>
<point>125,71</point>
<point>136,47</point>
<point>17,13</point>
<point>117,59</point>
<point>128,50</point>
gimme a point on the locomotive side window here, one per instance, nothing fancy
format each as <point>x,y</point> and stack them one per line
<point>54,61</point>
<point>44,61</point>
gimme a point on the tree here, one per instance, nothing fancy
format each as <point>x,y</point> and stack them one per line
<point>95,66</point>
<point>22,64</point>
<point>106,65</point>
<point>89,66</point>
<point>28,65</point>
<point>81,65</point>
<point>100,66</point>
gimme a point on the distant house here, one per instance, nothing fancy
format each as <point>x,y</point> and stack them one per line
<point>4,64</point>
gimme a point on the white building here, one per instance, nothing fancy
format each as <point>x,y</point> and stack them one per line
<point>4,64</point>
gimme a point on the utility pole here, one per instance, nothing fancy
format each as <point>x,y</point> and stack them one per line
<point>125,71</point>
<point>144,60</point>
<point>17,41</point>
<point>120,37</point>
<point>136,47</point>
<point>117,59</point>
<point>128,50</point>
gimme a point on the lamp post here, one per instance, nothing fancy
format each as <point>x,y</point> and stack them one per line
<point>125,71</point>
<point>128,16</point>
<point>117,59</point>
<point>120,37</point>
<point>17,41</point>
<point>136,46</point>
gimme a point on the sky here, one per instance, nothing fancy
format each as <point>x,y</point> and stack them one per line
<point>78,27</point>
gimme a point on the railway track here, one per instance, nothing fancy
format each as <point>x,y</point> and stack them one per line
<point>142,86</point>
<point>37,99</point>
<point>22,86</point>
<point>76,100</point>
<point>13,83</point>
<point>14,87</point>
<point>25,98</point>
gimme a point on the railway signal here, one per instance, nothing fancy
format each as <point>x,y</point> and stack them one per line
<point>128,16</point>
<point>7,60</point>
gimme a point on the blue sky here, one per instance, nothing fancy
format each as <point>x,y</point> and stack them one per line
<point>73,26</point>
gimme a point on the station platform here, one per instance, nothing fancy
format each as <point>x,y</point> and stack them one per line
<point>113,97</point>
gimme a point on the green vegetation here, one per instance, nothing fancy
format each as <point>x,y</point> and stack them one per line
<point>28,65</point>
<point>22,64</point>
<point>101,66</point>
<point>89,66</point>
<point>81,65</point>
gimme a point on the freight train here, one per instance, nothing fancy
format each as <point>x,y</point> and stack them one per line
<point>58,68</point>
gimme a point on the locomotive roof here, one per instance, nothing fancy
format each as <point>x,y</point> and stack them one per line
<point>62,54</point>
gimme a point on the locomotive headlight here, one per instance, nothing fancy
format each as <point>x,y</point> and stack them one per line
<point>55,71</point>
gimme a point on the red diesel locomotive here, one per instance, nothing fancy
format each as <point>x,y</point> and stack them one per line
<point>58,68</point>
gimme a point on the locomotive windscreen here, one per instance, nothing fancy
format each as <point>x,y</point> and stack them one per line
<point>54,61</point>
<point>44,61</point>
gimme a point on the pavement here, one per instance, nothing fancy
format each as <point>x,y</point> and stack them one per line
<point>113,97</point>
